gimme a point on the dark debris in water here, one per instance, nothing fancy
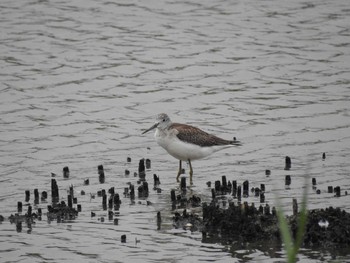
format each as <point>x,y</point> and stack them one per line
<point>187,221</point>
<point>61,212</point>
<point>230,222</point>
<point>240,222</point>
<point>327,228</point>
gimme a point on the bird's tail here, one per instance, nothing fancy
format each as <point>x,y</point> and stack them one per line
<point>235,142</point>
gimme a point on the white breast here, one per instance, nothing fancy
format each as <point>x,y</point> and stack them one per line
<point>182,150</point>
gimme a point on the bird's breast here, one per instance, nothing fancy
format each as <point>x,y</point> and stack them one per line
<point>179,149</point>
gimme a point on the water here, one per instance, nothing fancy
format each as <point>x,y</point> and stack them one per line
<point>80,80</point>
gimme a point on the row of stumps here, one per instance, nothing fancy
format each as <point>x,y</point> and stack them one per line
<point>218,219</point>
<point>239,221</point>
<point>59,211</point>
<point>242,222</point>
<point>237,191</point>
<point>181,201</point>
<point>288,179</point>
<point>62,211</point>
<point>331,189</point>
<point>142,192</point>
<point>193,222</point>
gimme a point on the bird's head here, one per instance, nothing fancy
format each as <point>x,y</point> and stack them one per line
<point>162,122</point>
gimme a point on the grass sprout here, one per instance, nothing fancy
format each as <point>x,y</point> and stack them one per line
<point>291,245</point>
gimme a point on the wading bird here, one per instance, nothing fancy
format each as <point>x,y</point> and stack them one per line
<point>185,142</point>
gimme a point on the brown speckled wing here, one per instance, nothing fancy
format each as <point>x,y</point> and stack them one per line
<point>196,136</point>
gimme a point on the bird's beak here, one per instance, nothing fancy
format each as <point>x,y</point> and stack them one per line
<point>153,127</point>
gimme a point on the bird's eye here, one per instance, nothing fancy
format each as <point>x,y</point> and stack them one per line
<point>163,120</point>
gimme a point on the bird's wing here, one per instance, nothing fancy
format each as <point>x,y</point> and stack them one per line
<point>196,136</point>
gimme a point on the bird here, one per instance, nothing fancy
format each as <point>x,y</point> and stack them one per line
<point>186,142</point>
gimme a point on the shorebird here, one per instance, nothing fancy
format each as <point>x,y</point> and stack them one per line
<point>185,142</point>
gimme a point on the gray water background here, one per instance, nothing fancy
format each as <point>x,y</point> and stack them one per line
<point>80,80</point>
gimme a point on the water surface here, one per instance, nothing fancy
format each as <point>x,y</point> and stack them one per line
<point>80,80</point>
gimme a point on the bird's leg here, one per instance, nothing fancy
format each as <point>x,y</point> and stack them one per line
<point>191,171</point>
<point>179,172</point>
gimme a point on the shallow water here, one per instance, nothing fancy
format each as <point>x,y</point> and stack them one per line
<point>80,80</point>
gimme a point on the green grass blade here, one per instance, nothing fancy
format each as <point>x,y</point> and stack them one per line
<point>302,220</point>
<point>286,235</point>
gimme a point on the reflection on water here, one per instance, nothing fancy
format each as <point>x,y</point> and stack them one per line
<point>81,79</point>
